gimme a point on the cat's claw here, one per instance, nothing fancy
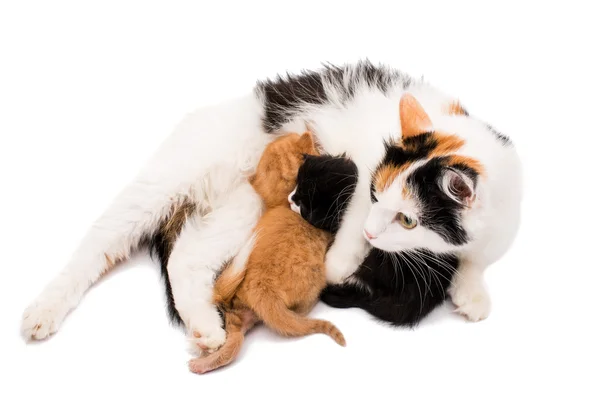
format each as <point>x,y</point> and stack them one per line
<point>471,301</point>
<point>43,318</point>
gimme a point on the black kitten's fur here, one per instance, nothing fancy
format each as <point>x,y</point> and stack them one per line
<point>400,288</point>
<point>325,186</point>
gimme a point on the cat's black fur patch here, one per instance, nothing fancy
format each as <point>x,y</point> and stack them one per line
<point>397,288</point>
<point>284,96</point>
<point>440,213</point>
<point>501,137</point>
<point>161,248</point>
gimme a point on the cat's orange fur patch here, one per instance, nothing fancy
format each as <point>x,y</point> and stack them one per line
<point>386,175</point>
<point>111,261</point>
<point>472,163</point>
<point>454,108</point>
<point>405,192</point>
<point>446,144</point>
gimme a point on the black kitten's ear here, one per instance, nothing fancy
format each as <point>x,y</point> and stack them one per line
<point>458,186</point>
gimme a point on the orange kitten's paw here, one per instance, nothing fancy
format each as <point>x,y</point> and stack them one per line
<point>199,365</point>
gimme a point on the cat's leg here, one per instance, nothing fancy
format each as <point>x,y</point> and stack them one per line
<point>204,138</point>
<point>204,244</point>
<point>350,248</point>
<point>111,239</point>
<point>343,296</point>
<point>468,290</point>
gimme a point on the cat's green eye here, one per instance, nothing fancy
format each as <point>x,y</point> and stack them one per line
<point>405,221</point>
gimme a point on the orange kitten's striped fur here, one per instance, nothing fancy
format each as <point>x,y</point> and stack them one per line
<point>285,270</point>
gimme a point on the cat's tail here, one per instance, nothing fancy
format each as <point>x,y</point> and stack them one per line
<point>237,323</point>
<point>273,312</point>
<point>233,275</point>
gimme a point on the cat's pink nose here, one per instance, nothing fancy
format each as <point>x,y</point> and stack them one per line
<point>369,236</point>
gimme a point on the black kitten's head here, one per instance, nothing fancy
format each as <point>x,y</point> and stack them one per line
<point>324,189</point>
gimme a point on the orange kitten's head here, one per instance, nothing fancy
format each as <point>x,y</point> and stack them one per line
<point>275,176</point>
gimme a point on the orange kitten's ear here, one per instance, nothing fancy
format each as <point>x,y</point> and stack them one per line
<point>306,142</point>
<point>413,118</point>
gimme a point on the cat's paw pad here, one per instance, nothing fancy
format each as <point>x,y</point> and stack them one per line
<point>206,341</point>
<point>43,318</point>
<point>473,302</point>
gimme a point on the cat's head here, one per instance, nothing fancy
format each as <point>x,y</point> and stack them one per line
<point>275,175</point>
<point>324,187</point>
<point>423,189</point>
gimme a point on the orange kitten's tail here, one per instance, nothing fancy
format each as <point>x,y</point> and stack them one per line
<point>237,323</point>
<point>276,315</point>
<point>233,275</point>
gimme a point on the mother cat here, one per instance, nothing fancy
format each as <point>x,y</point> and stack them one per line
<point>204,165</point>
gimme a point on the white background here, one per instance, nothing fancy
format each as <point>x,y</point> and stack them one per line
<point>88,90</point>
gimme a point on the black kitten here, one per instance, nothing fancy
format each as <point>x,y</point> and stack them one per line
<point>399,288</point>
<point>325,186</point>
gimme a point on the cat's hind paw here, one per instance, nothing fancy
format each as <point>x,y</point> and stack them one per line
<point>43,317</point>
<point>208,342</point>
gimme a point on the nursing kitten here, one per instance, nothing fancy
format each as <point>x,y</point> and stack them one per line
<point>278,275</point>
<point>398,287</point>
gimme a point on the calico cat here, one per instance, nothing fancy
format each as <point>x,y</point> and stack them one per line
<point>398,287</point>
<point>353,109</point>
<point>278,275</point>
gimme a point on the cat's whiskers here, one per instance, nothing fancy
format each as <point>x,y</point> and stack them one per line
<point>434,273</point>
<point>444,265</point>
<point>416,279</point>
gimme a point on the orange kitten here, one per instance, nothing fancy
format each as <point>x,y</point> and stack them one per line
<point>285,270</point>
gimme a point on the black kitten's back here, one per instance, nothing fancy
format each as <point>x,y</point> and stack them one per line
<point>401,289</point>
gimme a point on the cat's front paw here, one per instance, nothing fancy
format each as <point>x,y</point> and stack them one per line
<point>43,317</point>
<point>471,299</point>
<point>339,265</point>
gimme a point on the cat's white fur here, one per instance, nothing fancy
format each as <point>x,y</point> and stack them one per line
<point>491,220</point>
<point>208,157</point>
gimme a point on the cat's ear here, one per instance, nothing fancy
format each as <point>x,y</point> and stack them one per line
<point>306,143</point>
<point>413,118</point>
<point>458,187</point>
